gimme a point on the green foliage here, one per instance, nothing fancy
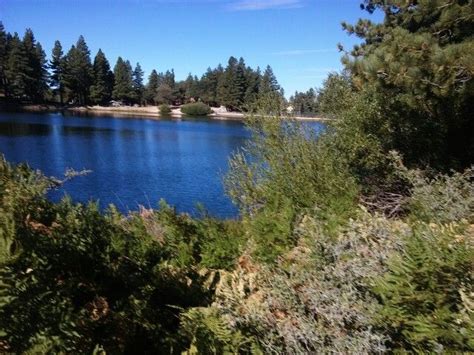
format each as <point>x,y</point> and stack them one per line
<point>196,109</point>
<point>259,183</point>
<point>138,86</point>
<point>443,198</point>
<point>101,89</point>
<point>418,62</point>
<point>221,243</point>
<point>78,72</point>
<point>123,86</point>
<point>427,291</point>
<point>305,103</point>
<point>336,94</point>
<point>210,334</point>
<point>151,87</point>
<point>73,278</point>
<point>164,109</point>
<point>57,70</point>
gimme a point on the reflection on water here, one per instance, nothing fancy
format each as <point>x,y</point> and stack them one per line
<point>134,162</point>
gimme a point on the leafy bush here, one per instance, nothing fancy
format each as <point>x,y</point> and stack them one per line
<point>72,278</point>
<point>164,109</point>
<point>443,198</point>
<point>285,169</point>
<point>196,109</point>
<point>316,299</point>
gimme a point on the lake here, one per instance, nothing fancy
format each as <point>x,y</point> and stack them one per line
<point>133,161</point>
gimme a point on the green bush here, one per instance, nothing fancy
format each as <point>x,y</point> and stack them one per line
<point>284,170</point>
<point>196,109</point>
<point>427,292</point>
<point>164,109</point>
<point>72,278</point>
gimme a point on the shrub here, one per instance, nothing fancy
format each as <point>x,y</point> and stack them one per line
<point>72,278</point>
<point>316,299</point>
<point>164,109</point>
<point>284,170</point>
<point>427,292</point>
<point>196,109</point>
<point>443,198</point>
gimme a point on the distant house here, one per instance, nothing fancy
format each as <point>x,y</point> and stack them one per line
<point>114,103</point>
<point>290,109</point>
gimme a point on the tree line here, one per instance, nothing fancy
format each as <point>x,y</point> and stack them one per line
<point>72,77</point>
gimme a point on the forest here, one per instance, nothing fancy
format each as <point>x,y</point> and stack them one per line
<point>356,240</point>
<point>26,75</point>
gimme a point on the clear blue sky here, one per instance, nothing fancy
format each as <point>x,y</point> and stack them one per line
<point>298,38</point>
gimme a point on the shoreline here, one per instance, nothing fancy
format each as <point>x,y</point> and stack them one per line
<point>145,111</point>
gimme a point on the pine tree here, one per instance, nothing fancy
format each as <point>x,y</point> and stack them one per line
<point>123,87</point>
<point>151,87</point>
<point>209,84</point>
<point>419,62</point>
<point>232,87</point>
<point>138,86</point>
<point>169,78</point>
<point>253,79</point>
<point>16,68</point>
<point>305,103</point>
<point>78,72</point>
<point>35,72</point>
<point>269,83</point>
<point>101,90</point>
<point>57,70</point>
<point>3,57</point>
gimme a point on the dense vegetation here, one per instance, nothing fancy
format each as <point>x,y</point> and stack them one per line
<point>72,77</point>
<point>359,239</point>
<point>196,109</point>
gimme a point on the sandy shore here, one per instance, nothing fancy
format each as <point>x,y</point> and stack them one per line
<point>152,111</point>
<point>145,111</point>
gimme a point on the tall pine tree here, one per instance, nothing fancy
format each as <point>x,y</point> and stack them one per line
<point>16,68</point>
<point>419,62</point>
<point>35,72</point>
<point>56,65</point>
<point>103,81</point>
<point>138,86</point>
<point>3,57</point>
<point>78,72</point>
<point>152,87</point>
<point>123,87</point>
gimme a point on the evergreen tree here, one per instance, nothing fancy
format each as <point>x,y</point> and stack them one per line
<point>78,72</point>
<point>232,87</point>
<point>209,84</point>
<point>419,62</point>
<point>41,73</point>
<point>138,86</point>
<point>123,87</point>
<point>269,83</point>
<point>253,79</point>
<point>305,103</point>
<point>56,65</point>
<point>151,87</point>
<point>16,68</point>
<point>169,79</point>
<point>191,88</point>
<point>3,57</point>
<point>35,72</point>
<point>103,82</point>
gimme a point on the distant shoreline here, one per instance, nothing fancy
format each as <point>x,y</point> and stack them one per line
<point>146,111</point>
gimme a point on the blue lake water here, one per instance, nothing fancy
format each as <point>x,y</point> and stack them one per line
<point>133,161</point>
